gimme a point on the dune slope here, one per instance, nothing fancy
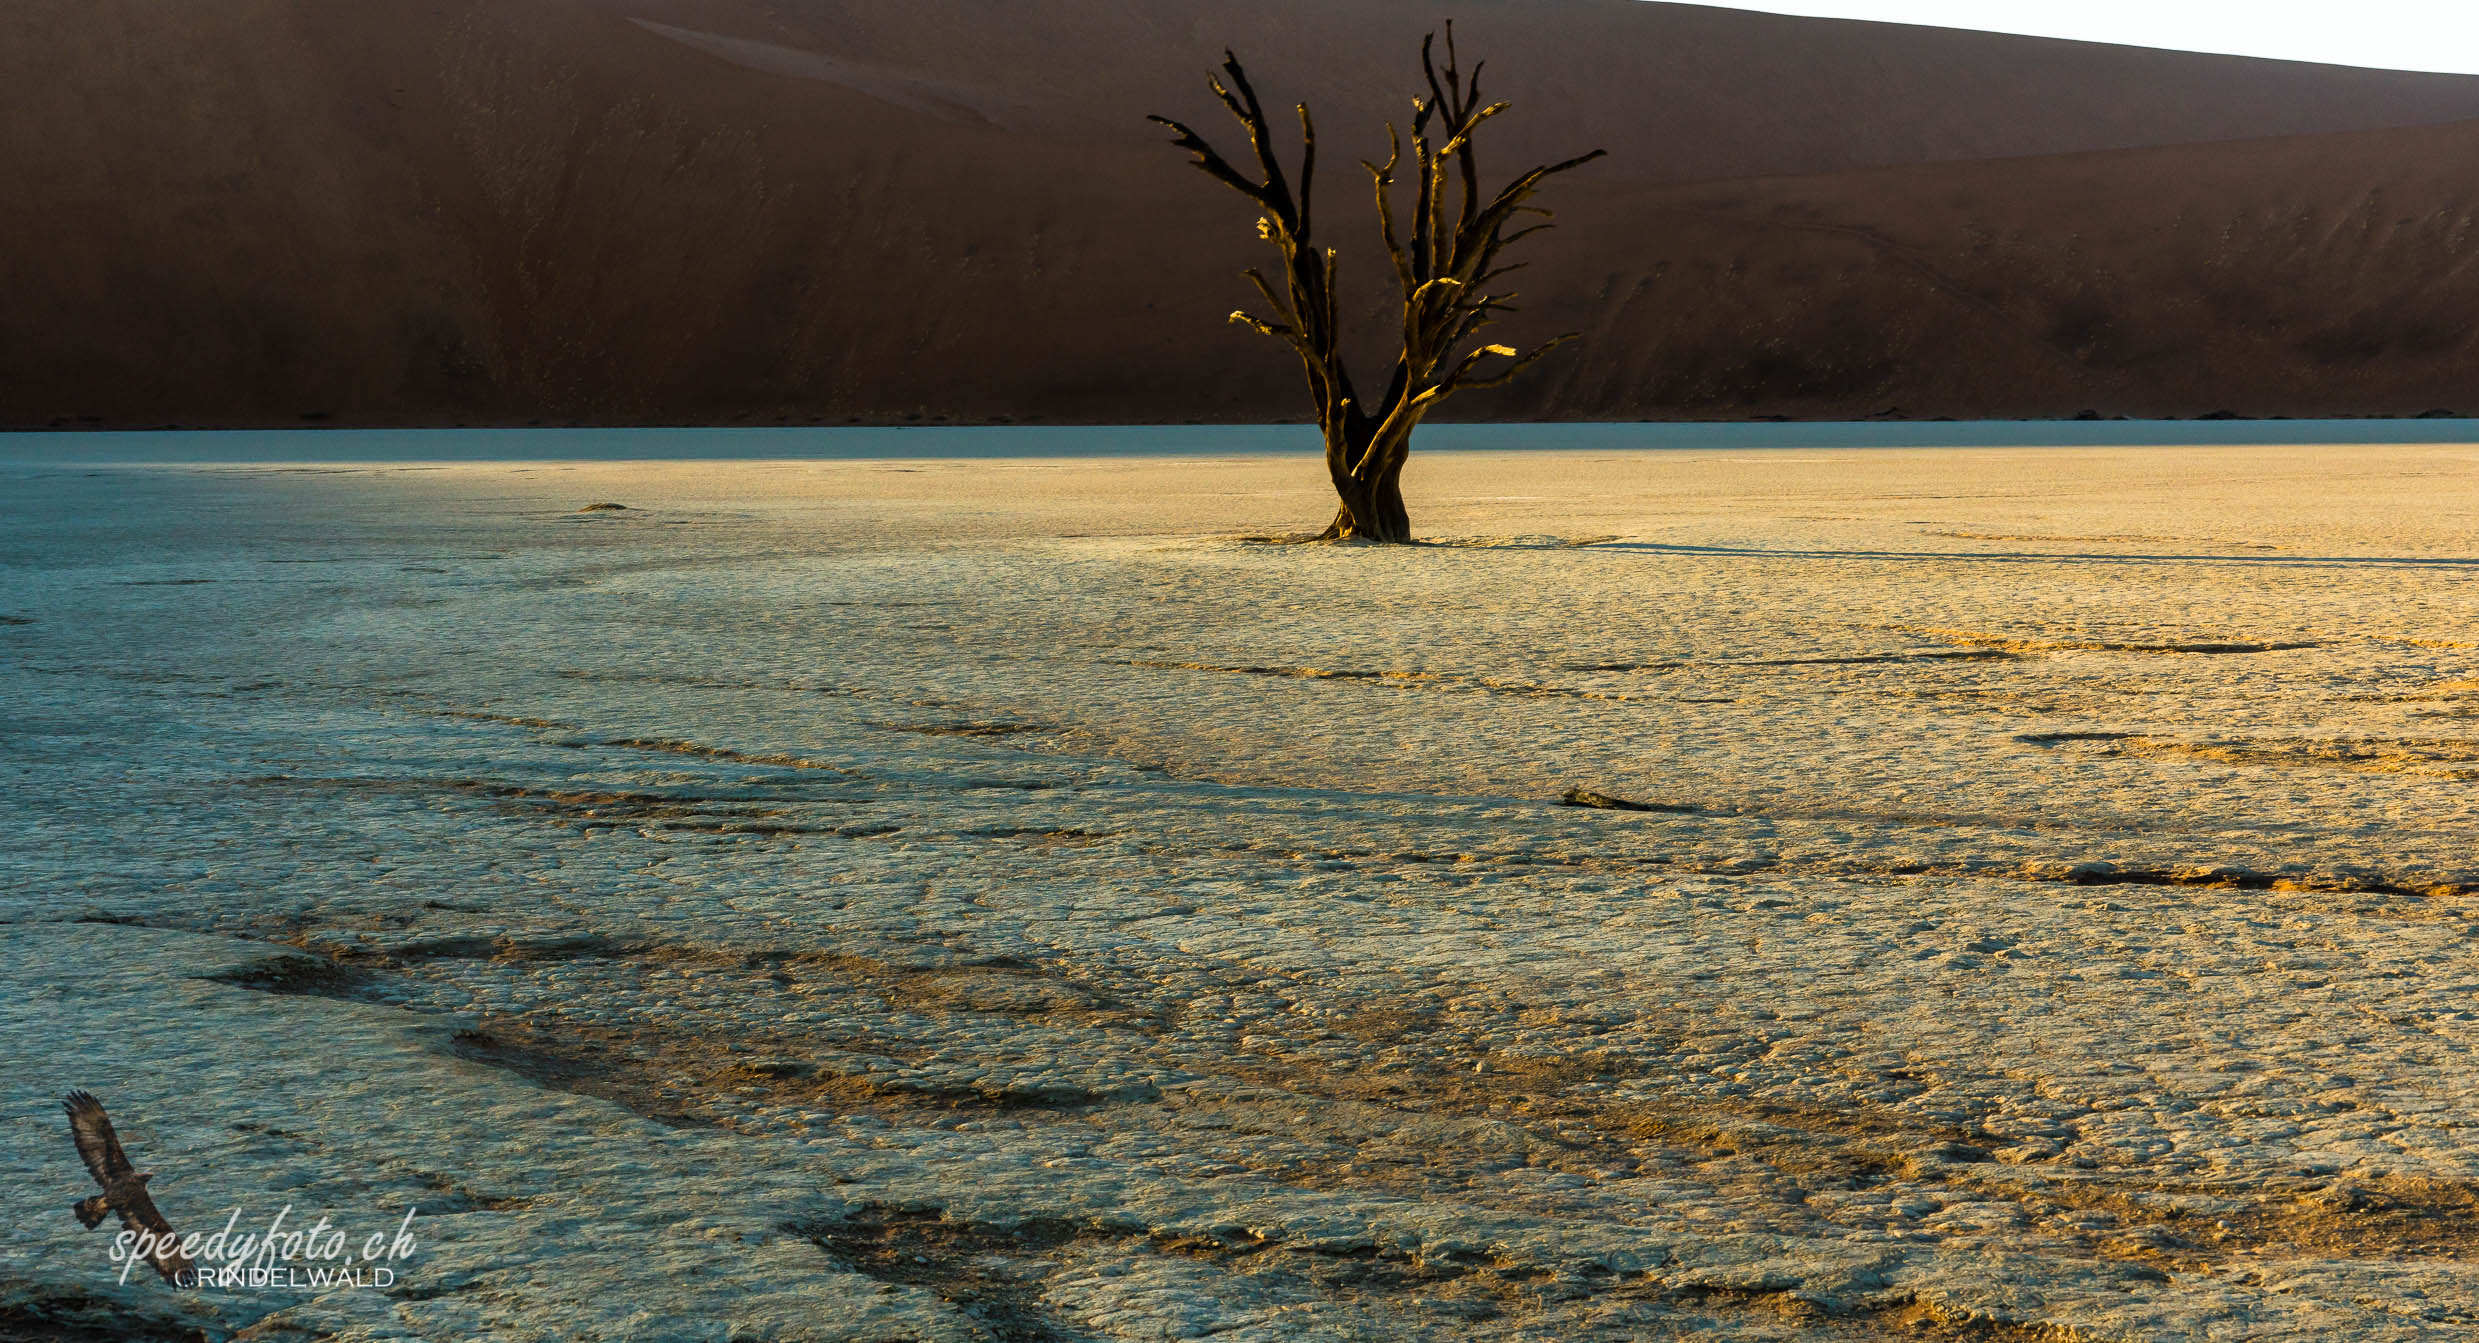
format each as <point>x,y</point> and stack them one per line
<point>274,212</point>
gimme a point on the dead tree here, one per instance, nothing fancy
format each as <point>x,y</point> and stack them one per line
<point>1445,264</point>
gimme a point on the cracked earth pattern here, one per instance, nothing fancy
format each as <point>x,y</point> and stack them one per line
<point>1835,895</point>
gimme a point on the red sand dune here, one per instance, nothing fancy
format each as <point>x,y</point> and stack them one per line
<point>279,211</point>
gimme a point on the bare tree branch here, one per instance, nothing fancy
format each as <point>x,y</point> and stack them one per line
<point>1443,266</point>
<point>1213,164</point>
<point>1246,319</point>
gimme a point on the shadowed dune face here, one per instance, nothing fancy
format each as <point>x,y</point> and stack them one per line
<point>275,212</point>
<point>2299,276</point>
<point>1693,93</point>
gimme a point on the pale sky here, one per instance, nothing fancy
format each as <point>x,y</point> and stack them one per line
<point>2395,34</point>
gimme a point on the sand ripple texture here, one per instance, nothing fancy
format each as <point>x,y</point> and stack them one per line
<point>2034,896</point>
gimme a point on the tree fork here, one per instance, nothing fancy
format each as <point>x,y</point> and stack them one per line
<point>1444,265</point>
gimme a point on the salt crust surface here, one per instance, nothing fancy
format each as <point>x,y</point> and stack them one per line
<point>963,900</point>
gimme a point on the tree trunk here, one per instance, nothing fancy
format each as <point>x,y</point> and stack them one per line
<point>1370,509</point>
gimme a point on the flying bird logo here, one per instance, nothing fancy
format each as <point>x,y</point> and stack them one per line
<point>124,1190</point>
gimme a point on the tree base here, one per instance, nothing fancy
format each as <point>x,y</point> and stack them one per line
<point>1375,513</point>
